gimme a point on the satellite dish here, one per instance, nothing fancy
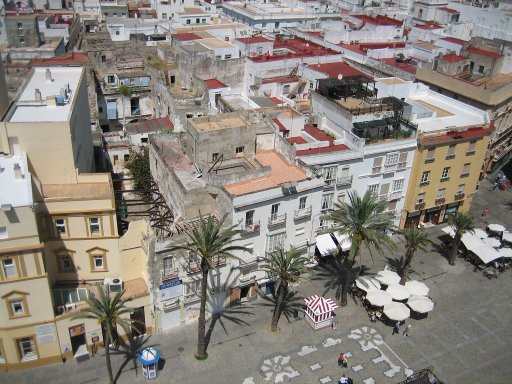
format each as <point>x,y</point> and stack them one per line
<point>340,76</point>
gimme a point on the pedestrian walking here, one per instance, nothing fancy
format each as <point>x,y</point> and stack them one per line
<point>485,211</point>
<point>396,328</point>
<point>343,380</point>
<point>407,331</point>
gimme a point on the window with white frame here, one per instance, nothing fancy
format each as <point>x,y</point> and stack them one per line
<point>98,262</point>
<point>275,241</point>
<point>440,194</point>
<point>327,201</point>
<point>374,188</point>
<point>27,349</point>
<point>460,189</point>
<point>425,177</point>
<point>168,264</point>
<point>446,173</point>
<point>398,185</point>
<point>391,159</point>
<point>465,170</point>
<point>239,149</point>
<point>17,307</point>
<point>249,218</point>
<point>60,226</point>
<point>302,202</point>
<point>66,263</point>
<point>193,288</point>
<point>94,225</point>
<point>329,174</point>
<point>9,267</point>
<point>274,211</point>
<point>421,198</point>
<point>63,296</point>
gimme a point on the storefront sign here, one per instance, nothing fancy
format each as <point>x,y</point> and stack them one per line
<point>46,334</point>
<point>171,290</point>
<point>76,330</point>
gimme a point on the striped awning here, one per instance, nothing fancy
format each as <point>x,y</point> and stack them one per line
<point>319,305</point>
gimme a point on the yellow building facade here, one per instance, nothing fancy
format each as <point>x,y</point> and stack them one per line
<point>445,174</point>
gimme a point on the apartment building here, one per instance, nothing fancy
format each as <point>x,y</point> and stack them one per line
<point>231,164</point>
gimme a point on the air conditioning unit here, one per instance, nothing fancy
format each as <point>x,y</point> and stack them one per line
<point>70,307</point>
<point>115,284</point>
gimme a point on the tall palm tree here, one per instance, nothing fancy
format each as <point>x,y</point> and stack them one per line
<point>288,267</point>
<point>107,310</point>
<point>209,242</point>
<point>460,222</point>
<point>125,92</point>
<point>365,220</point>
<point>415,239</point>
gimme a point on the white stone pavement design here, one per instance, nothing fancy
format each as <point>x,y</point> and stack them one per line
<point>277,368</point>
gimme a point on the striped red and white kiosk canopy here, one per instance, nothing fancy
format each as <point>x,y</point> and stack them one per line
<point>319,311</point>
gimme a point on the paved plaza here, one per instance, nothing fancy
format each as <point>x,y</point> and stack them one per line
<point>467,337</point>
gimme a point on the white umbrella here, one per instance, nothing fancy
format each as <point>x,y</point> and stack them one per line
<point>449,230</point>
<point>505,252</point>
<point>496,227</point>
<point>379,298</point>
<point>420,304</point>
<point>396,311</point>
<point>471,241</point>
<point>398,291</point>
<point>481,233</point>
<point>507,236</point>
<point>486,253</point>
<point>492,242</point>
<point>387,277</point>
<point>417,288</point>
<point>367,284</point>
<point>325,244</point>
<point>344,241</point>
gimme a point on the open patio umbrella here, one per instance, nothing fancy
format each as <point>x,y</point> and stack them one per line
<point>387,277</point>
<point>505,252</point>
<point>398,292</point>
<point>449,230</point>
<point>486,253</point>
<point>492,242</point>
<point>420,304</point>
<point>507,236</point>
<point>367,284</point>
<point>417,288</point>
<point>480,233</point>
<point>396,311</point>
<point>471,241</point>
<point>379,298</point>
<point>496,227</point>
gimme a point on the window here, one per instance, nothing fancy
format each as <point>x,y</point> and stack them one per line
<point>274,211</point>
<point>302,202</point>
<point>471,148</point>
<point>17,307</point>
<point>94,225</point>
<point>249,218</point>
<point>188,21</point>
<point>398,185</point>
<point>168,265</point>
<point>421,198</point>
<point>22,40</point>
<point>377,165</point>
<point>192,288</point>
<point>9,268</point>
<point>27,349</point>
<point>111,79</point>
<point>425,177</point>
<point>60,226</point>
<point>286,89</point>
<point>374,188</point>
<point>98,259</point>
<point>327,201</point>
<point>215,157</point>
<point>275,241</point>
<point>228,56</point>
<point>465,170</point>
<point>430,155</point>
<point>446,173</point>
<point>239,150</point>
<point>218,57</point>
<point>20,25</point>
<point>164,15</point>
<point>66,263</point>
<point>440,194</point>
<point>481,69</point>
<point>391,159</point>
<point>451,151</point>
<point>98,262</point>
<point>3,233</point>
<point>198,21</point>
<point>329,174</point>
<point>460,189</point>
<point>63,296</point>
<point>118,33</point>
<point>103,58</point>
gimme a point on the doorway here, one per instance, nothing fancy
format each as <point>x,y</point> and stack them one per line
<point>244,293</point>
<point>138,322</point>
<point>78,339</point>
<point>432,216</point>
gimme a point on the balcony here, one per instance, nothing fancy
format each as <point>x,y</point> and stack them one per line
<point>169,273</point>
<point>459,195</point>
<point>276,219</point>
<point>330,182</point>
<point>219,261</point>
<point>401,166</point>
<point>425,182</point>
<point>440,200</point>
<point>444,179</point>
<point>302,213</point>
<point>465,174</point>
<point>376,170</point>
<point>470,153</point>
<point>344,180</point>
<point>450,156</point>
<point>251,228</point>
<point>430,160</point>
<point>419,205</point>
<point>395,195</point>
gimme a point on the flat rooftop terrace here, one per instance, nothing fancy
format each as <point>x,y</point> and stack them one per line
<point>266,9</point>
<point>27,109</point>
<point>281,172</point>
<point>204,124</point>
<point>80,191</point>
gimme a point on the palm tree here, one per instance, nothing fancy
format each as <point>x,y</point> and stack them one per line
<point>107,311</point>
<point>460,222</point>
<point>415,239</point>
<point>209,242</point>
<point>366,222</point>
<point>288,267</point>
<point>125,92</point>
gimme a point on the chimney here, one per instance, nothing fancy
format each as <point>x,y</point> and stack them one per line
<point>38,95</point>
<point>48,76</point>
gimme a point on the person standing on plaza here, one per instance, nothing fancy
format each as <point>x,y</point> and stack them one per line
<point>407,331</point>
<point>485,211</point>
<point>396,328</point>
<point>341,357</point>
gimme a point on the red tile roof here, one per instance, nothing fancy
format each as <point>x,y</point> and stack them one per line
<point>333,70</point>
<point>379,20</point>
<point>186,36</point>
<point>277,101</point>
<point>253,40</point>
<point>282,128</point>
<point>150,125</point>
<point>428,26</point>
<point>315,151</point>
<point>454,40</point>
<point>448,10</point>
<point>297,48</point>
<point>67,58</point>
<point>317,133</point>
<point>296,140</point>
<point>483,52</point>
<point>315,33</point>
<point>452,58</point>
<point>214,84</point>
<point>468,134</point>
<point>281,79</point>
<point>403,66</point>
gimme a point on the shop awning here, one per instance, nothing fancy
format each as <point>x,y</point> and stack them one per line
<point>325,244</point>
<point>343,241</point>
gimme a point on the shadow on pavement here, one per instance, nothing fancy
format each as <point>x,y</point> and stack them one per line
<point>129,350</point>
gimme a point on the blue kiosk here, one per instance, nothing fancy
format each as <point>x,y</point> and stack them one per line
<point>149,358</point>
